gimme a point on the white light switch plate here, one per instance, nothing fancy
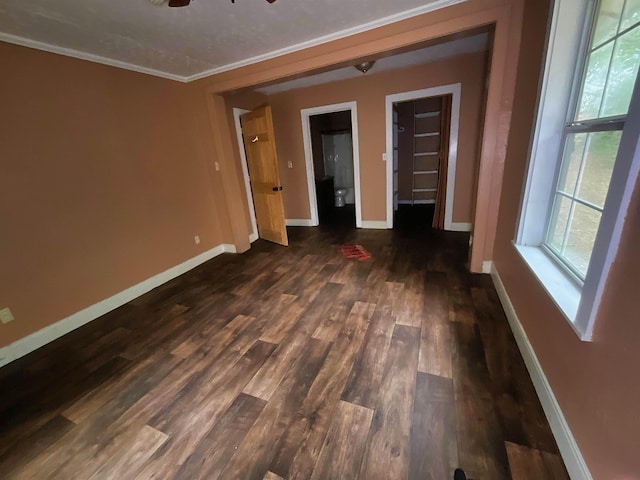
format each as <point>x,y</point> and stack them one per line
<point>6,316</point>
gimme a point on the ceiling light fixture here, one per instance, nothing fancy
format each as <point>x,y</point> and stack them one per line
<point>365,66</point>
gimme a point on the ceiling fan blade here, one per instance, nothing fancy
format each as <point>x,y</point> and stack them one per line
<point>179,3</point>
<point>271,1</point>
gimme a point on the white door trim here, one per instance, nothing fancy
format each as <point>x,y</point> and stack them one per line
<point>308,156</point>
<point>454,90</point>
<point>237,112</point>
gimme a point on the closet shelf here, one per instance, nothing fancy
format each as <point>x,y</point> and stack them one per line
<point>425,172</point>
<point>427,114</point>
<point>425,189</point>
<point>430,134</point>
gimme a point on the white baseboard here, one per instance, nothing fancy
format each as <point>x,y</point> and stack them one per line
<point>487,266</point>
<point>299,222</point>
<point>576,466</point>
<point>253,237</point>
<point>374,224</point>
<point>226,248</point>
<point>460,227</point>
<point>48,334</point>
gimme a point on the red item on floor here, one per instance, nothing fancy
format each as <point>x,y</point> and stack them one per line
<point>355,251</point>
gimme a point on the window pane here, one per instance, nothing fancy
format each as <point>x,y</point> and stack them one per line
<point>571,160</point>
<point>631,14</point>
<point>622,76</point>
<point>582,235</point>
<point>594,82</point>
<point>607,22</point>
<point>600,156</point>
<point>558,224</point>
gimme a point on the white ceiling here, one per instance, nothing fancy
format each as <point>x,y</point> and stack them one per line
<point>206,37</point>
<point>476,43</point>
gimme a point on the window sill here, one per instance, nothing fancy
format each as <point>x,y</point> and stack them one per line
<point>564,291</point>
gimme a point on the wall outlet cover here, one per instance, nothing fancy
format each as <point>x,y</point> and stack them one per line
<point>197,239</point>
<point>6,316</point>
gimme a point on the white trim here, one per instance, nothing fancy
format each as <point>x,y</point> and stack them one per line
<point>460,227</point>
<point>228,248</point>
<point>455,91</point>
<point>381,22</point>
<point>237,112</point>
<point>305,114</point>
<point>487,266</point>
<point>573,459</point>
<point>89,57</point>
<point>374,224</point>
<point>48,334</point>
<point>300,222</point>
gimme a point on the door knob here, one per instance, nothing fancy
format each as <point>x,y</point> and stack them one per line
<point>277,188</point>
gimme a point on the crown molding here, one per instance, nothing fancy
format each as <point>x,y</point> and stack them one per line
<point>90,57</point>
<point>381,22</point>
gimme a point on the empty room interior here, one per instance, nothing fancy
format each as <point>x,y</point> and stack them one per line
<point>319,240</point>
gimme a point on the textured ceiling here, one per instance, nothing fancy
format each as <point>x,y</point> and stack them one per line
<point>476,43</point>
<point>184,43</point>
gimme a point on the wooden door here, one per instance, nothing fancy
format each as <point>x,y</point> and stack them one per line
<point>262,160</point>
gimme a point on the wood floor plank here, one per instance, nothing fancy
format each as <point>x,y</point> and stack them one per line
<point>363,386</point>
<point>251,460</point>
<point>129,458</point>
<point>216,449</point>
<point>526,463</point>
<point>435,340</point>
<point>26,449</point>
<point>480,439</point>
<point>434,444</point>
<point>304,437</point>
<point>194,414</point>
<point>411,304</point>
<point>78,445</point>
<point>387,453</point>
<point>345,443</point>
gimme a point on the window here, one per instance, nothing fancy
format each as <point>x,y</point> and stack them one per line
<point>592,135</point>
<point>579,169</point>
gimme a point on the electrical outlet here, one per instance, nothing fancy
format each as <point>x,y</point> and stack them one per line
<point>6,316</point>
<point>290,164</point>
<point>197,239</point>
<point>217,166</point>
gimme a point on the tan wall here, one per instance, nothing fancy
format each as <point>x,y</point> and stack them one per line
<point>103,184</point>
<point>595,383</point>
<point>369,92</point>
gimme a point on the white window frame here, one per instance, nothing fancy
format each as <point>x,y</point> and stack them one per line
<point>568,36</point>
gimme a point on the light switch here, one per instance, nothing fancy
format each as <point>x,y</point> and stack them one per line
<point>384,157</point>
<point>290,164</point>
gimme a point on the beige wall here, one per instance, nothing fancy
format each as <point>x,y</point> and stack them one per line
<point>596,383</point>
<point>103,184</point>
<point>369,92</point>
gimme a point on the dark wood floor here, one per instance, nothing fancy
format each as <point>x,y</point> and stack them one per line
<point>288,363</point>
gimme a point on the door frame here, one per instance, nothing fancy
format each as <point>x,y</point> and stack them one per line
<point>306,113</point>
<point>237,112</point>
<point>454,90</point>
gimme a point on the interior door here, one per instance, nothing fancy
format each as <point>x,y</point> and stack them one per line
<point>262,160</point>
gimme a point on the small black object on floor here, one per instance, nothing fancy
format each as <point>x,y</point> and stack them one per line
<point>459,474</point>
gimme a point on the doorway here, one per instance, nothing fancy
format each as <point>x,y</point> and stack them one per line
<point>330,136</point>
<point>422,144</point>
